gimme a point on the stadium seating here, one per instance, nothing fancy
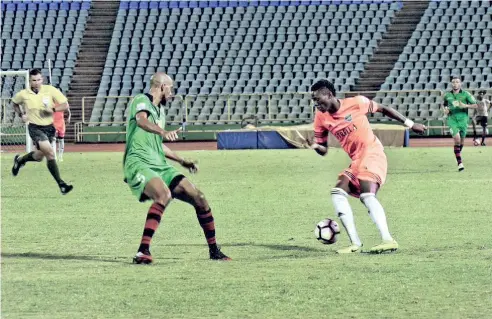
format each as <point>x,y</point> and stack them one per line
<point>263,48</point>
<point>35,31</point>
<point>452,38</point>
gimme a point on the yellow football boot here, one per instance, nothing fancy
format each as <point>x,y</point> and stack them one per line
<point>384,247</point>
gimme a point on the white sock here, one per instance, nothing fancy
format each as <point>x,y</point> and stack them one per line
<point>376,211</point>
<point>61,148</point>
<point>344,211</point>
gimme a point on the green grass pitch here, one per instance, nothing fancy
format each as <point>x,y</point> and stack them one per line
<point>70,256</point>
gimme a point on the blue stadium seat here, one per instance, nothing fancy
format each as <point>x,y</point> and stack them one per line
<point>36,31</point>
<point>233,46</point>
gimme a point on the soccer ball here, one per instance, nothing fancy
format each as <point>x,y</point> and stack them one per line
<point>476,143</point>
<point>327,231</point>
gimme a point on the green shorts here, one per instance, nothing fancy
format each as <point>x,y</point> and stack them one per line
<point>138,175</point>
<point>458,126</point>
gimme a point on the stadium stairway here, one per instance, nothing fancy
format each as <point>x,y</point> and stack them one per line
<point>91,58</point>
<point>391,46</point>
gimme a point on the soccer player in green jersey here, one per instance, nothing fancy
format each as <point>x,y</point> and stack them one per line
<point>456,104</point>
<point>148,173</point>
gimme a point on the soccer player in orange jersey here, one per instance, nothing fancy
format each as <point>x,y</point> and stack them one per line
<point>346,119</point>
<point>59,124</point>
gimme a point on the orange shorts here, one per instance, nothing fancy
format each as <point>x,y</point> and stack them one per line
<point>60,128</point>
<point>371,167</point>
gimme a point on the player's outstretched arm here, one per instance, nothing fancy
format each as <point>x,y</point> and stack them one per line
<point>190,165</point>
<point>321,148</point>
<point>144,123</point>
<point>395,115</point>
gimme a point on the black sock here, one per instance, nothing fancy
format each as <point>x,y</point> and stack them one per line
<point>457,153</point>
<point>53,167</point>
<point>461,147</point>
<point>29,157</point>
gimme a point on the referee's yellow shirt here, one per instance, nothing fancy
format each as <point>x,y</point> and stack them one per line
<point>35,104</point>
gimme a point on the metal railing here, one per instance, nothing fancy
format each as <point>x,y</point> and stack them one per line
<point>86,99</point>
<point>189,100</point>
<point>230,102</point>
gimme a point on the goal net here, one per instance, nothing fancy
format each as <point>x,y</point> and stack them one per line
<point>14,136</point>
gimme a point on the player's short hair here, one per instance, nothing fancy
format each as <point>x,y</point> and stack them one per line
<point>456,77</point>
<point>324,84</point>
<point>34,72</point>
<point>482,92</point>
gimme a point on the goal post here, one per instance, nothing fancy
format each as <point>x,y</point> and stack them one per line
<point>14,133</point>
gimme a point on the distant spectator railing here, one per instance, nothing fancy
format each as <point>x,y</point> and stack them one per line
<point>87,99</point>
<point>419,102</point>
<point>229,102</point>
<point>188,100</point>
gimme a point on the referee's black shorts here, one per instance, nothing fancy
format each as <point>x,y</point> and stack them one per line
<point>41,133</point>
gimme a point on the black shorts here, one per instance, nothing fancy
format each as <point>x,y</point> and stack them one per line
<point>39,133</point>
<point>482,120</point>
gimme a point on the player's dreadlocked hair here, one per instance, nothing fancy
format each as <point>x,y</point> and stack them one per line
<point>324,84</point>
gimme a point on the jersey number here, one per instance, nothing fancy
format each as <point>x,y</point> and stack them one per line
<point>139,178</point>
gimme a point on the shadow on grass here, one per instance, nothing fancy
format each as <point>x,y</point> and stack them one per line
<point>127,260</point>
<point>68,257</point>
<point>417,172</point>
<point>268,246</point>
<point>23,197</point>
<point>292,251</point>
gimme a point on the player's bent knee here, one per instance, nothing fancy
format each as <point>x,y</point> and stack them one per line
<point>339,197</point>
<point>163,198</point>
<point>50,155</point>
<point>200,201</point>
<point>38,156</point>
<point>367,197</point>
<point>46,149</point>
<point>337,191</point>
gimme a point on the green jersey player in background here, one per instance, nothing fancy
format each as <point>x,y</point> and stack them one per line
<point>148,173</point>
<point>456,104</point>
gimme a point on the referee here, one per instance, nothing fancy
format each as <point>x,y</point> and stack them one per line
<point>36,105</point>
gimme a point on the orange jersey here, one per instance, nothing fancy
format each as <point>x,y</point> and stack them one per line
<point>350,126</point>
<point>58,117</point>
